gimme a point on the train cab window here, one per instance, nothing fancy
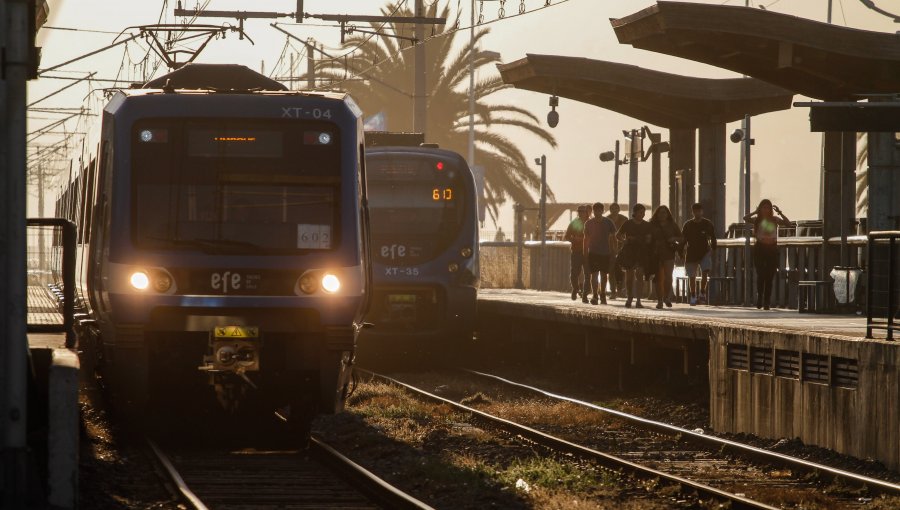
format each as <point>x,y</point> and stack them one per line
<point>236,186</point>
<point>416,205</point>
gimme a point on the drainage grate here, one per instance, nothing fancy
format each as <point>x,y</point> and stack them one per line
<point>787,364</point>
<point>844,372</point>
<point>761,360</point>
<point>815,368</point>
<point>737,357</point>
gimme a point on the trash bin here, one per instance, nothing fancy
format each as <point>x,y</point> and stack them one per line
<point>846,281</point>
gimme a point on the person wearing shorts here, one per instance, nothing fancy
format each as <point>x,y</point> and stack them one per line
<point>599,245</point>
<point>575,235</point>
<point>700,240</point>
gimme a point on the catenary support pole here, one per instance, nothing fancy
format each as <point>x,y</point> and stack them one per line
<point>471,158</point>
<point>420,114</point>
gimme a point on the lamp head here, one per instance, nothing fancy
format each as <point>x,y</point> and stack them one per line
<point>553,115</point>
<point>737,135</point>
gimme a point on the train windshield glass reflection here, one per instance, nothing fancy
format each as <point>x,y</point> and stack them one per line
<point>414,208</point>
<point>236,186</point>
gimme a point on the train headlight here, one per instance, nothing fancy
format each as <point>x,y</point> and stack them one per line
<point>146,135</point>
<point>331,283</point>
<point>308,284</point>
<point>466,252</point>
<point>140,280</point>
<point>453,267</point>
<point>324,138</point>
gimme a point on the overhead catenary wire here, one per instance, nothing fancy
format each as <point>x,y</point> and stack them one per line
<point>446,33</point>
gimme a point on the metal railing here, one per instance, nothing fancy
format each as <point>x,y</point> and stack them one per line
<point>512,265</point>
<point>51,276</point>
<point>883,302</point>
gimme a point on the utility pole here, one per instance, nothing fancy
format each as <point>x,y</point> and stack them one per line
<point>420,115</point>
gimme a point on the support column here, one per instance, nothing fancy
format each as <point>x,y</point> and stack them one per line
<point>14,37</point>
<point>884,182</point>
<point>712,173</point>
<point>839,163</point>
<point>682,157</point>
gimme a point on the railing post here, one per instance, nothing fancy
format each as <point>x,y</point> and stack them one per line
<point>518,209</point>
<point>891,278</point>
<point>68,267</point>
<point>870,283</point>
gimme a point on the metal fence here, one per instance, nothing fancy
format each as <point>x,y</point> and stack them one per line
<point>50,244</point>
<point>800,266</point>
<point>883,303</point>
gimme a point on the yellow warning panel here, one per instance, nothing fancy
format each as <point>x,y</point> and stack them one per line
<point>236,332</point>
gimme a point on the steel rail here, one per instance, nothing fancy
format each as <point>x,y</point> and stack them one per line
<point>176,478</point>
<point>364,480</point>
<point>358,477</point>
<point>605,459</point>
<point>734,446</point>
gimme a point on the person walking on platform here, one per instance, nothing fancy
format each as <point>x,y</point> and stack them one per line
<point>700,240</point>
<point>637,236</point>
<point>667,240</point>
<point>599,245</point>
<point>616,275</point>
<point>575,235</point>
<point>765,253</point>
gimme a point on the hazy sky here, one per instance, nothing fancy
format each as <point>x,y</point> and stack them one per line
<point>786,154</point>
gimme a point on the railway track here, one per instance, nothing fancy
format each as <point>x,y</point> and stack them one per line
<point>716,448</point>
<point>320,477</point>
<point>686,486</point>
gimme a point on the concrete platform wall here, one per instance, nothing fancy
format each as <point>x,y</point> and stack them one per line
<point>826,391</point>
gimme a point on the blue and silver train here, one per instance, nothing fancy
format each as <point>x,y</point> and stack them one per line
<point>424,229</point>
<point>223,228</point>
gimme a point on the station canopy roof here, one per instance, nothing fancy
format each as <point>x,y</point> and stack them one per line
<point>808,57</point>
<point>662,99</point>
<point>215,76</point>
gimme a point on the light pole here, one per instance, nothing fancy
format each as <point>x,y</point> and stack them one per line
<point>542,162</point>
<point>743,136</point>
<point>614,156</point>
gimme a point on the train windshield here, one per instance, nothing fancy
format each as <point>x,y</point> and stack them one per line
<point>416,205</point>
<point>236,185</point>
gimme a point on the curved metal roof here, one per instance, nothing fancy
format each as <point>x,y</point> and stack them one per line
<point>662,99</point>
<point>809,57</point>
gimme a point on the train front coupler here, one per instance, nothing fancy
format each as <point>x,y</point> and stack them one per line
<point>233,352</point>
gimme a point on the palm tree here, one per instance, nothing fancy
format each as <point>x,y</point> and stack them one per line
<point>379,74</point>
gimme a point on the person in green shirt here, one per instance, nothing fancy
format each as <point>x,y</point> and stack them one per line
<point>575,235</point>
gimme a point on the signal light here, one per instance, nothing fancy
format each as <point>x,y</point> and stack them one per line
<point>440,165</point>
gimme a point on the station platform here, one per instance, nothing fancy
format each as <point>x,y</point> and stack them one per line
<point>681,320</point>
<point>776,373</point>
<point>53,390</point>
